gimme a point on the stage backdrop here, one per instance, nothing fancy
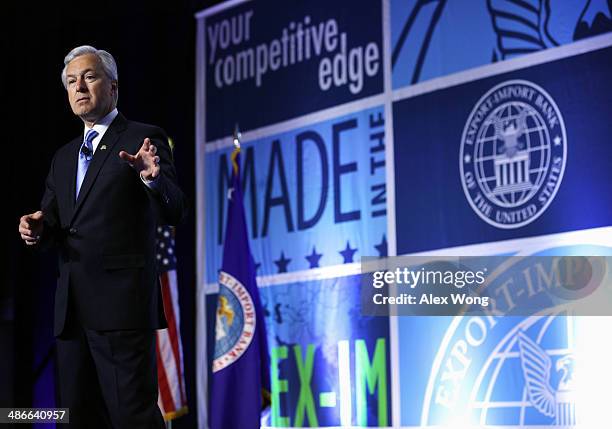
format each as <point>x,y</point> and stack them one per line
<point>375,128</point>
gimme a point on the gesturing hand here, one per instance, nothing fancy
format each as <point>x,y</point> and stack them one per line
<point>145,162</point>
<point>31,227</point>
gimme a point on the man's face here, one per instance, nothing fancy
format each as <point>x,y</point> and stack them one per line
<point>90,90</point>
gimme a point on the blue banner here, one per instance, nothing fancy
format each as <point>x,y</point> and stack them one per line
<point>431,38</point>
<point>470,370</point>
<point>314,196</point>
<point>271,61</point>
<point>323,376</point>
<point>498,144</point>
<point>519,154</point>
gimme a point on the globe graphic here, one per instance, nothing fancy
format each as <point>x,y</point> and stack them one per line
<point>512,154</point>
<point>496,394</point>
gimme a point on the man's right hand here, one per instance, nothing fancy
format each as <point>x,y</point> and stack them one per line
<point>31,227</point>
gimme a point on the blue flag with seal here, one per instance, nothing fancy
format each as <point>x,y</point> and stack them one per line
<point>240,383</point>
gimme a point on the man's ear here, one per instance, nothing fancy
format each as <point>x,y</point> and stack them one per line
<point>114,86</point>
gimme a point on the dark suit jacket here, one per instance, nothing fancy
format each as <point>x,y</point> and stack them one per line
<point>106,238</point>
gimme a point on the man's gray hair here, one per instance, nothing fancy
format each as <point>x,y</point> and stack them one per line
<point>106,59</point>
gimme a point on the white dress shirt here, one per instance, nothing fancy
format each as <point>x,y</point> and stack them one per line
<point>101,126</point>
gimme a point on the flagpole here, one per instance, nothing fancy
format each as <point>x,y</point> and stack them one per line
<point>237,136</point>
<point>236,140</point>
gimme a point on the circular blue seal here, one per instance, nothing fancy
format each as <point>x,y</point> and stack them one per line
<point>235,321</point>
<point>513,154</point>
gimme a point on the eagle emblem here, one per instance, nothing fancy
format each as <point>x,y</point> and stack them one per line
<point>536,365</point>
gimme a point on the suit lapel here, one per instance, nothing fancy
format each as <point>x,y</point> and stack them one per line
<point>111,136</point>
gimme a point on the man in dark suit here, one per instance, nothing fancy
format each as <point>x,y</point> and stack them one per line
<point>105,193</point>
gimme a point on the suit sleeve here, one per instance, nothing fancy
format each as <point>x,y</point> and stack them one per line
<point>49,207</point>
<point>166,197</point>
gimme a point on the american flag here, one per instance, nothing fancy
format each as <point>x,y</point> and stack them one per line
<point>172,399</point>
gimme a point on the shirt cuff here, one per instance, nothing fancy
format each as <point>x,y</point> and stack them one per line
<point>151,184</point>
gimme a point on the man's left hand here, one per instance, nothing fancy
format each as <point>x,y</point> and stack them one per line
<point>145,162</point>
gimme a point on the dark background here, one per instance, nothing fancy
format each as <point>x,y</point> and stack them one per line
<point>154,46</point>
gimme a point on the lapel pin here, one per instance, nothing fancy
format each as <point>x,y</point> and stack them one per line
<point>103,147</point>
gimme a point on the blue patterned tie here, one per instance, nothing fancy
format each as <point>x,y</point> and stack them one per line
<point>85,155</point>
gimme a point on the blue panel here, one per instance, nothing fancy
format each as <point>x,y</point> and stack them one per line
<point>314,196</point>
<point>273,60</point>
<point>321,314</point>
<point>435,208</point>
<point>436,38</point>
